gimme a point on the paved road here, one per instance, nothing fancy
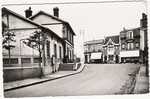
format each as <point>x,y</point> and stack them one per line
<point>96,79</point>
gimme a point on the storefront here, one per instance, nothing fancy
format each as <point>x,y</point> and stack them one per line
<point>130,56</point>
<point>96,57</point>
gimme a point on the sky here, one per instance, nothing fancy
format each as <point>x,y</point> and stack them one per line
<point>89,21</point>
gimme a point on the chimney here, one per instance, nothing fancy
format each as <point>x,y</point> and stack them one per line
<point>144,16</point>
<point>56,11</point>
<point>143,21</point>
<point>28,12</point>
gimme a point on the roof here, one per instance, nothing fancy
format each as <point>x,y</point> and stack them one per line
<point>136,31</point>
<point>56,18</point>
<point>126,30</point>
<point>114,38</point>
<point>100,41</point>
<point>7,11</point>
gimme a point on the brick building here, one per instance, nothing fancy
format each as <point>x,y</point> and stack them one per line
<point>130,45</point>
<point>134,46</point>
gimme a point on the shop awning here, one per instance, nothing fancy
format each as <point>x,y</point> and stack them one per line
<point>96,55</point>
<point>135,53</point>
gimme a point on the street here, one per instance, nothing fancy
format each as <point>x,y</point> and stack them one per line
<point>96,79</point>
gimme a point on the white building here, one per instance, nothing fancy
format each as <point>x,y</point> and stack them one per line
<point>24,59</point>
<point>61,28</point>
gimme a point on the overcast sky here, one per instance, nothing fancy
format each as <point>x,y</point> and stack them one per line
<point>93,21</point>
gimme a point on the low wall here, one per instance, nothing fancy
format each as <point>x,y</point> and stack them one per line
<point>17,73</point>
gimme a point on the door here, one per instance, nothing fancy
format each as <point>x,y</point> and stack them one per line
<point>110,58</point>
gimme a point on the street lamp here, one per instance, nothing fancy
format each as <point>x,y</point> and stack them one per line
<point>21,57</point>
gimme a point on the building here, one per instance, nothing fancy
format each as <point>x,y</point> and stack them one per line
<point>111,49</point>
<point>130,45</point>
<point>25,61</point>
<point>102,51</point>
<point>144,38</point>
<point>93,51</point>
<point>62,29</point>
<point>133,43</point>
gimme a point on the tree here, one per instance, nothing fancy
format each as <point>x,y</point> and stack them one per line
<point>37,41</point>
<point>8,39</point>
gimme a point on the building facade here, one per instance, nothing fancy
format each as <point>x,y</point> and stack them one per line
<point>134,46</point>
<point>111,49</point>
<point>144,38</point>
<point>102,51</point>
<point>93,51</point>
<point>62,29</point>
<point>130,45</point>
<point>25,61</point>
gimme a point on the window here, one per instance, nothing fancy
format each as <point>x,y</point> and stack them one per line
<point>72,38</point>
<point>70,54</point>
<point>137,45</point>
<point>110,48</point>
<point>130,46</point>
<point>55,50</point>
<point>48,48</point>
<point>68,51</point>
<point>130,34</point>
<point>64,32</point>
<point>36,60</point>
<point>12,61</point>
<point>123,46</point>
<point>68,36</point>
<point>60,52</point>
<point>25,60</point>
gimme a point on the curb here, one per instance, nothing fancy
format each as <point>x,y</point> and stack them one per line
<point>22,86</point>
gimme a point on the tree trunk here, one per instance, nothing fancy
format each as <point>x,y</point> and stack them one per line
<point>9,55</point>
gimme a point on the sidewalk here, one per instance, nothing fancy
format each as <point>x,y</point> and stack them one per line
<point>142,82</point>
<point>28,82</point>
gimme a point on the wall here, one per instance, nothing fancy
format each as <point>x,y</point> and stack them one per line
<point>43,19</point>
<point>20,47</point>
<point>16,23</point>
<point>142,33</point>
<point>12,74</point>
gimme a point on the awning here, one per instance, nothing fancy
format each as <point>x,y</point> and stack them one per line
<point>96,55</point>
<point>135,53</point>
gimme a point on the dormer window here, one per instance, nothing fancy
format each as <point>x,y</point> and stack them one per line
<point>130,34</point>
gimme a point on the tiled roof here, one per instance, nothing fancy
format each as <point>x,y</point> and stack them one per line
<point>101,41</point>
<point>136,31</point>
<point>115,39</point>
<point>125,30</point>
